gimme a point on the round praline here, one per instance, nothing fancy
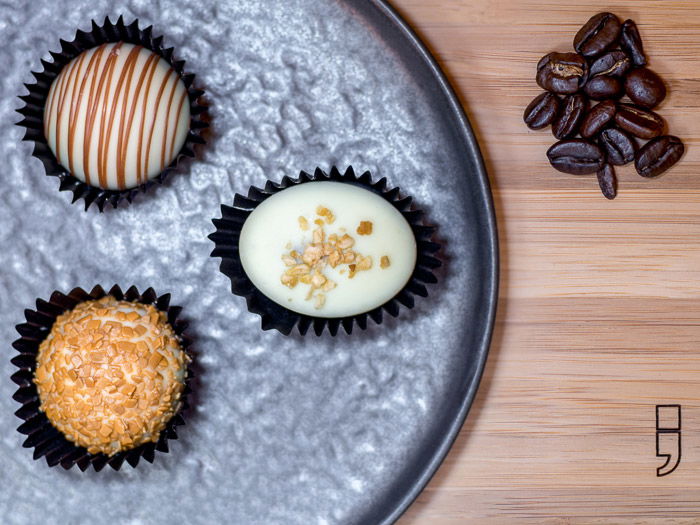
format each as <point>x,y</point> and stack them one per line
<point>110,375</point>
<point>116,116</point>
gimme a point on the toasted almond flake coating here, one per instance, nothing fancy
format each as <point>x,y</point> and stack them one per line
<point>346,242</point>
<point>323,250</point>
<point>365,228</point>
<point>289,280</point>
<point>317,280</point>
<point>327,214</point>
<point>94,390</point>
<point>334,258</point>
<point>384,262</point>
<point>364,264</point>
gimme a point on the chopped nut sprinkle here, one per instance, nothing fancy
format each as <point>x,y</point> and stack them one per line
<point>384,262</point>
<point>365,228</point>
<point>324,212</point>
<point>365,263</point>
<point>333,250</point>
<point>103,391</point>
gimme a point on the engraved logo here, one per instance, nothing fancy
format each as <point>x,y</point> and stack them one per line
<point>668,438</point>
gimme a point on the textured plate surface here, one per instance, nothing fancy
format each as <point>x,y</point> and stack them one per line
<point>284,429</point>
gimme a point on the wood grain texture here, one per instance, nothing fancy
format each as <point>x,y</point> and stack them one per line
<point>599,311</point>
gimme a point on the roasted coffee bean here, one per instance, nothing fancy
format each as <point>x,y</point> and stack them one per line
<point>658,155</point>
<point>618,146</point>
<point>631,42</point>
<point>576,156</point>
<point>640,122</point>
<point>542,111</point>
<point>645,88</point>
<point>602,87</point>
<point>597,35</point>
<point>607,181</point>
<point>612,64</point>
<point>562,73</point>
<point>598,118</point>
<point>572,112</point>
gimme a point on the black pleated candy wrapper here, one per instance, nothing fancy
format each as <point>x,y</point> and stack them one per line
<point>227,234</point>
<point>42,436</point>
<point>35,100</point>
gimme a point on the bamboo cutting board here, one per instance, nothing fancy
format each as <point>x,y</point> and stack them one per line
<point>599,312</point>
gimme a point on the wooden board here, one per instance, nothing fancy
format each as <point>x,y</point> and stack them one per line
<point>599,313</point>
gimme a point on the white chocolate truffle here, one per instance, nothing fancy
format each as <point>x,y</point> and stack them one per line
<point>327,249</point>
<point>116,116</point>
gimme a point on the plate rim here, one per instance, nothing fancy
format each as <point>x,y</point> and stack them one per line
<point>466,132</point>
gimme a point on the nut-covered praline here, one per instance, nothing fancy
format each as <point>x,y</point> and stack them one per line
<point>116,116</point>
<point>110,374</point>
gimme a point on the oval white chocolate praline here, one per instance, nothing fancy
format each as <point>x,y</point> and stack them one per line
<point>273,230</point>
<point>116,116</point>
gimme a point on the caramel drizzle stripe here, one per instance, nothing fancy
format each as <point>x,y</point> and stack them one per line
<point>125,129</point>
<point>50,102</point>
<point>140,173</point>
<point>74,107</point>
<point>155,115</point>
<point>58,99</point>
<point>95,91</point>
<point>180,105</point>
<point>127,68</point>
<point>60,102</point>
<point>127,76</point>
<point>110,65</point>
<point>94,60</point>
<point>168,112</point>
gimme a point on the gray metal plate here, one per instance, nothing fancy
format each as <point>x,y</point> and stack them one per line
<point>285,430</point>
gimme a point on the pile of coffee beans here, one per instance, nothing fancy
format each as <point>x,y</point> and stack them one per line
<point>609,64</point>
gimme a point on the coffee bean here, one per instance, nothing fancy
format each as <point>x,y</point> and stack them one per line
<point>607,181</point>
<point>572,112</point>
<point>658,155</point>
<point>597,35</point>
<point>602,87</point>
<point>608,63</point>
<point>612,64</point>
<point>618,146</point>
<point>631,42</point>
<point>645,88</point>
<point>640,122</point>
<point>562,73</point>
<point>576,156</point>
<point>598,118</point>
<point>542,111</point>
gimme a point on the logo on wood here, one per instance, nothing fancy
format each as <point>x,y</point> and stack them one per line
<point>668,438</point>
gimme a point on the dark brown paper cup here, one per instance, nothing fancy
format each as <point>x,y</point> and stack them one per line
<point>227,234</point>
<point>35,100</point>
<point>42,436</point>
